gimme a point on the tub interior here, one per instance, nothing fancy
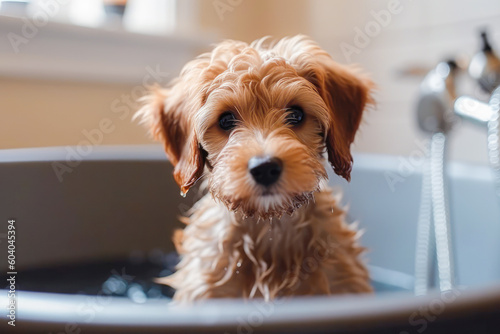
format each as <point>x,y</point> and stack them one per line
<point>107,220</point>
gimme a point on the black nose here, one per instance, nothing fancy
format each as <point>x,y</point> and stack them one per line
<point>265,170</point>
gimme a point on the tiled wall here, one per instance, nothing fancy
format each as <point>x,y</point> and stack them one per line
<point>421,33</point>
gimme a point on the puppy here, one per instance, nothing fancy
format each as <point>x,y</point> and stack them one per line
<point>258,122</point>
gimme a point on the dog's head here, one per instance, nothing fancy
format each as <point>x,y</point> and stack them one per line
<point>258,119</point>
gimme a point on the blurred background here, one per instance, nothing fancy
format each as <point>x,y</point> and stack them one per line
<point>72,70</point>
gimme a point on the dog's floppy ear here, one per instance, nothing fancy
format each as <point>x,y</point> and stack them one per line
<point>346,94</point>
<point>166,113</point>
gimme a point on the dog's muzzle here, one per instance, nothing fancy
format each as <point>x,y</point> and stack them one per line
<point>265,170</point>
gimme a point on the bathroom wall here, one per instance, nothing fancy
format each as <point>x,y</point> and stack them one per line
<point>419,34</point>
<point>38,113</point>
<point>51,111</point>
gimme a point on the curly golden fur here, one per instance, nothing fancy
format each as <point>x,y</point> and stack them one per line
<point>245,239</point>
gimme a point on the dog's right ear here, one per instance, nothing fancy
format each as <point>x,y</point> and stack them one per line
<point>166,113</point>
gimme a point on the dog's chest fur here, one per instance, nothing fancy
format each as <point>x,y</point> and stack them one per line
<point>224,254</point>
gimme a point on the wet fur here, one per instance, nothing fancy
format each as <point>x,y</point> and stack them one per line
<point>241,241</point>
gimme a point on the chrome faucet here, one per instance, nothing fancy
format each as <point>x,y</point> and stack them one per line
<point>487,114</point>
<point>485,68</point>
<point>437,110</point>
<point>435,103</point>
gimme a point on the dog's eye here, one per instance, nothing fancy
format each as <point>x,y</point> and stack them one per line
<point>295,115</point>
<point>227,121</point>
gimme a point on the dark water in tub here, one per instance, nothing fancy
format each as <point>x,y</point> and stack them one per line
<point>131,278</point>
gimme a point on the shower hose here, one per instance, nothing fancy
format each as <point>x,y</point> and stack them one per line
<point>434,206</point>
<point>494,140</point>
<point>434,213</point>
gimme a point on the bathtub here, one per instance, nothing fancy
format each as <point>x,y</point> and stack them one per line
<point>84,204</point>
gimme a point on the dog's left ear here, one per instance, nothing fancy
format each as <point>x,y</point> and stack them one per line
<point>347,94</point>
<point>166,113</point>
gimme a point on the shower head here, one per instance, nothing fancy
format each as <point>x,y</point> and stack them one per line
<point>485,66</point>
<point>435,102</point>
